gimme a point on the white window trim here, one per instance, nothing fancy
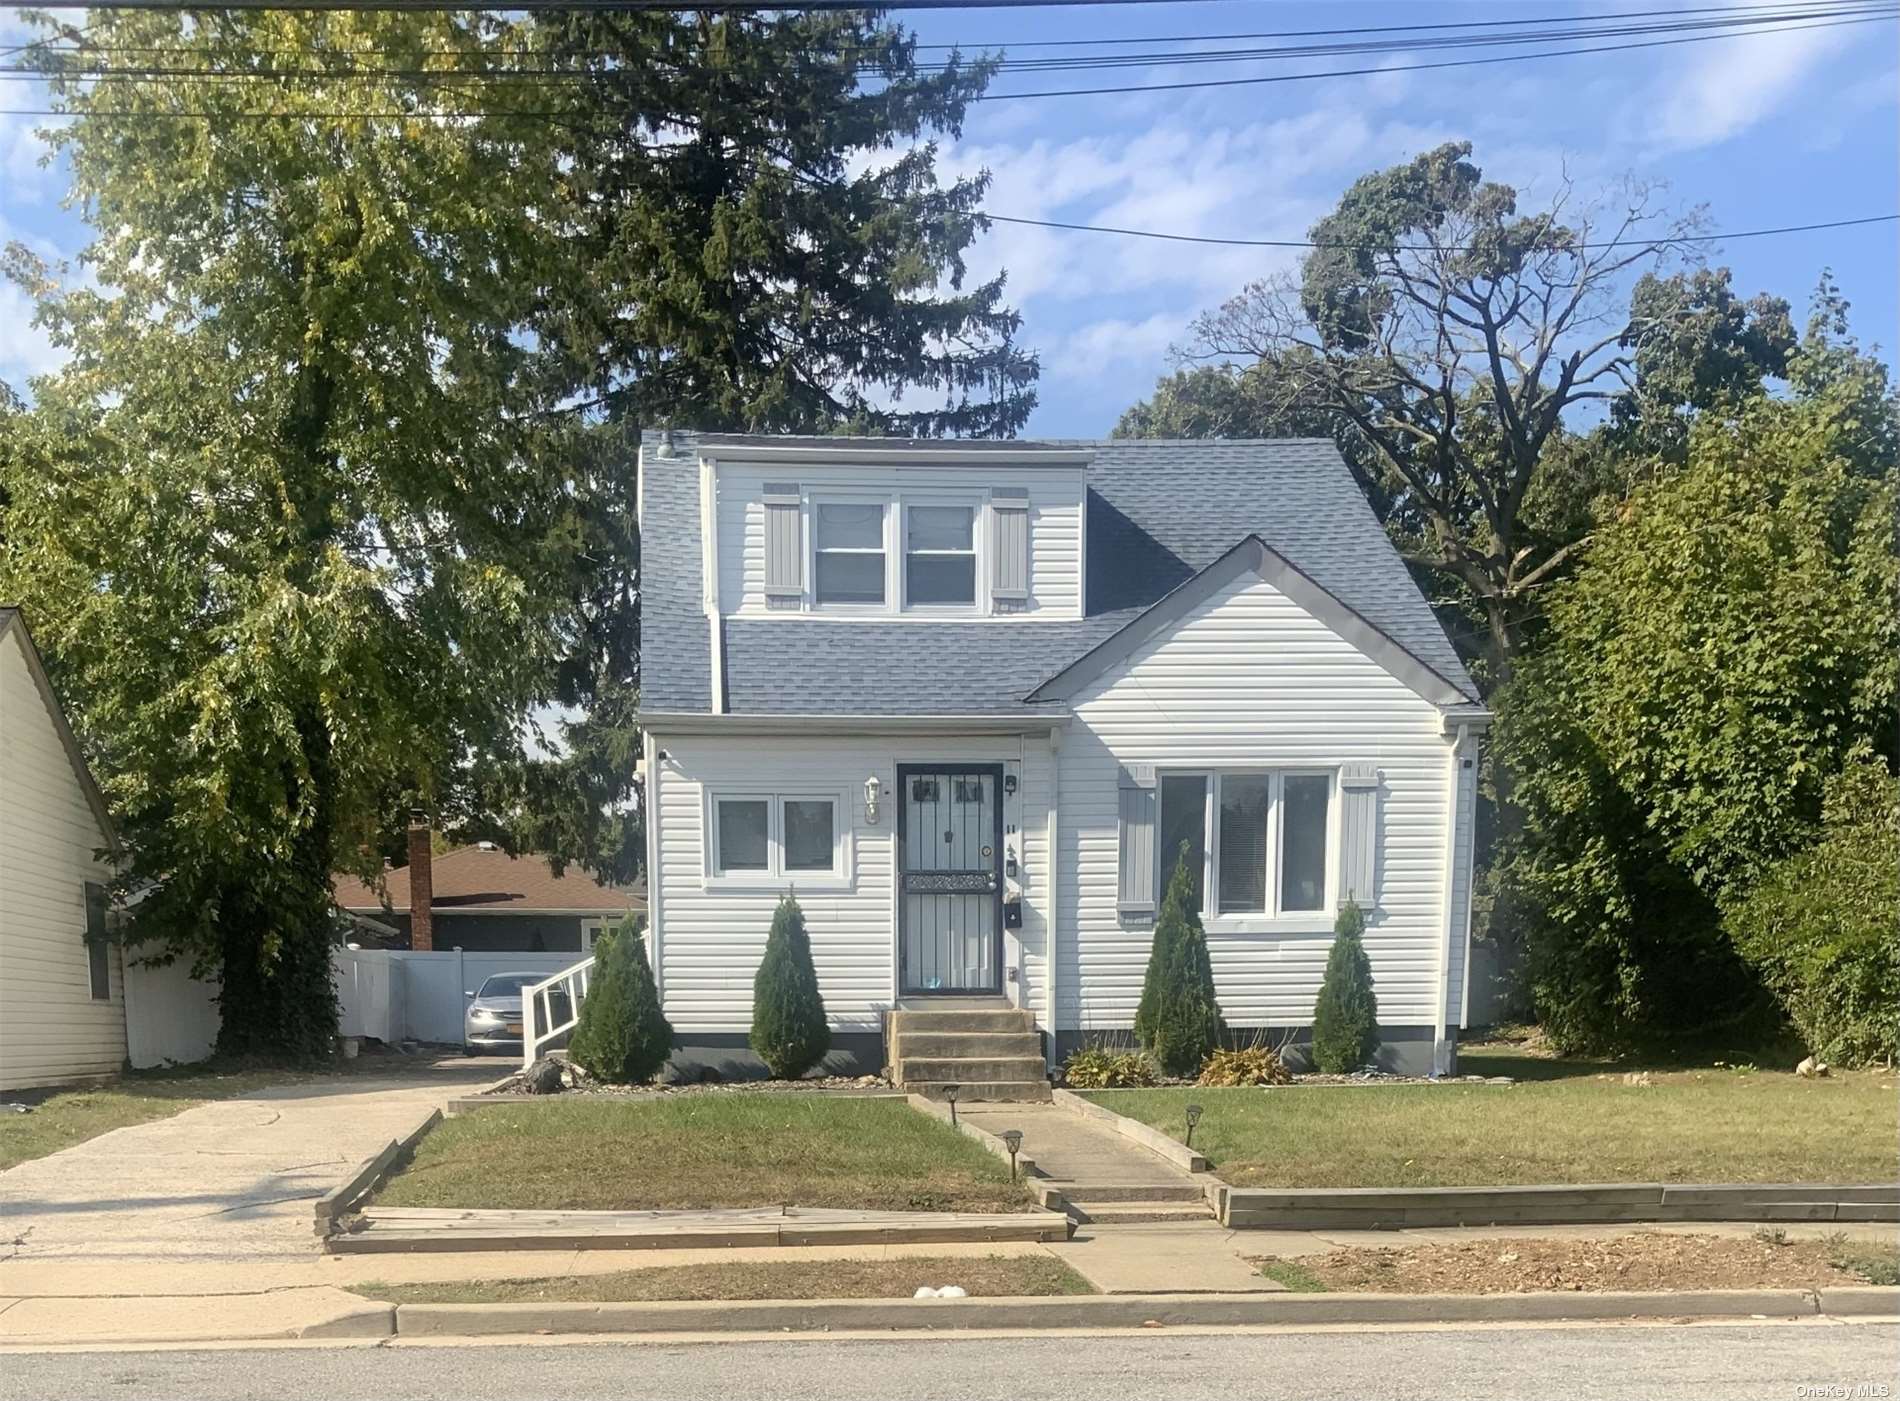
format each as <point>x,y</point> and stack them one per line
<point>775,877</point>
<point>978,506</point>
<point>592,929</point>
<point>1274,919</point>
<point>896,506</point>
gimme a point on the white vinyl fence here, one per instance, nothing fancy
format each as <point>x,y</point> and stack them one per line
<point>390,994</point>
<point>395,995</point>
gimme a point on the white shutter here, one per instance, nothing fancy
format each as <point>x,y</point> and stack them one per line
<point>784,546</point>
<point>1359,835</point>
<point>1009,546</point>
<point>1136,886</point>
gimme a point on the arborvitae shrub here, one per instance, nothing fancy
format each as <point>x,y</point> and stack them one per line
<point>622,1037</point>
<point>1346,1019</point>
<point>789,1032</point>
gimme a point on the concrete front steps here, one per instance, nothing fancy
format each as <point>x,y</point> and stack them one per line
<point>990,1052</point>
<point>1105,1204</point>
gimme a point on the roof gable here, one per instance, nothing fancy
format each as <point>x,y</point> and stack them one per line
<point>13,624</point>
<point>1252,556</point>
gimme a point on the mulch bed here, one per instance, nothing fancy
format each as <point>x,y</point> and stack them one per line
<point>1643,1262</point>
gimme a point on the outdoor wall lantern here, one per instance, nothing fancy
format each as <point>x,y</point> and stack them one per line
<point>1009,783</point>
<point>950,1093</point>
<point>873,788</point>
<point>1012,1140</point>
<point>1193,1118</point>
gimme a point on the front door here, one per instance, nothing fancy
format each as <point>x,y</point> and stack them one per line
<point>950,873</point>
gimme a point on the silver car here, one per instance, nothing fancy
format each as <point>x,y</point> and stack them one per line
<point>493,1020</point>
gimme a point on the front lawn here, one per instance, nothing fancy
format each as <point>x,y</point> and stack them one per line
<point>991,1276</point>
<point>1707,1125</point>
<point>704,1151</point>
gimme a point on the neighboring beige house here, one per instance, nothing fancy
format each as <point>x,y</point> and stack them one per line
<point>62,991</point>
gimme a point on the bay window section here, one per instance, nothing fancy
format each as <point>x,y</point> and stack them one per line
<point>1303,841</point>
<point>1182,832</point>
<point>940,556</point>
<point>1244,800</point>
<point>848,545</point>
<point>1263,838</point>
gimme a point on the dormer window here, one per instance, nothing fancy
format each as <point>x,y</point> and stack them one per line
<point>848,545</point>
<point>940,556</point>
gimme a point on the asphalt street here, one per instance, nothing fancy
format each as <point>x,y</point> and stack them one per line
<point>1777,1362</point>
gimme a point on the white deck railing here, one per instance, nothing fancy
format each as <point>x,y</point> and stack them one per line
<point>552,1000</point>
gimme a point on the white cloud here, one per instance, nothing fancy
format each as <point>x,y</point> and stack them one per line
<point>1088,351</point>
<point>22,176</point>
<point>1730,87</point>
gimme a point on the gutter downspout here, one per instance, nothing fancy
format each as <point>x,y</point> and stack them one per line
<point>1052,900</point>
<point>1462,797</point>
<point>650,800</point>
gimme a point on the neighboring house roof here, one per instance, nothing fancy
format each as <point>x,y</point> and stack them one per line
<point>1160,511</point>
<point>487,880</point>
<point>10,619</point>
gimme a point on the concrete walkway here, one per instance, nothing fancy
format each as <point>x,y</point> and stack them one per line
<point>1070,1149</point>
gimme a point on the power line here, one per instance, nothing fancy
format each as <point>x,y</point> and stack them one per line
<point>1003,44</point>
<point>1758,22</point>
<point>1881,15</point>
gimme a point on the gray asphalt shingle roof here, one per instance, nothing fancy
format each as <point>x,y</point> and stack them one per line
<point>1160,511</point>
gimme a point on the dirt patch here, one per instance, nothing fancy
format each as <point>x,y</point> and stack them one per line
<point>1635,1262</point>
<point>991,1276</point>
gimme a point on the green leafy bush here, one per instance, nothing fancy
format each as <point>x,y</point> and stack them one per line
<point>789,1031</point>
<point>1248,1065</point>
<point>1819,927</point>
<point>1099,1068</point>
<point>622,1037</point>
<point>1346,1018</point>
<point>1178,1021</point>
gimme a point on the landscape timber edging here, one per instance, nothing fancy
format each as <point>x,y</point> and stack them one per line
<point>463,1104</point>
<point>1122,1311</point>
<point>339,1201</point>
<point>1396,1208</point>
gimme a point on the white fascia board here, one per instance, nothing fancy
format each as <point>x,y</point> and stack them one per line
<point>1474,718</point>
<point>661,724</point>
<point>868,453</point>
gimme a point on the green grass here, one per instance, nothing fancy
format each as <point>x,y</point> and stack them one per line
<point>705,1151</point>
<point>1568,1122</point>
<point>990,1276</point>
<point>1295,1276</point>
<point>1877,1264</point>
<point>66,1117</point>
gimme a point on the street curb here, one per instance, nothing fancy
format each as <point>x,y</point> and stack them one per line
<point>370,1320</point>
<point>1120,1311</point>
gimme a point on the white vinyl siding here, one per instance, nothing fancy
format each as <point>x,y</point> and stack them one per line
<point>51,1027</point>
<point>1052,526</point>
<point>1249,681</point>
<point>714,934</point>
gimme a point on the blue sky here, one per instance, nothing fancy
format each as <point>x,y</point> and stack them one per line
<point>1787,128</point>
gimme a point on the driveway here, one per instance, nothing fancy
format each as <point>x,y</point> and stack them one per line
<point>228,1184</point>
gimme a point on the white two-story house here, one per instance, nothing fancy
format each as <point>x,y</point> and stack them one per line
<point>969,700</point>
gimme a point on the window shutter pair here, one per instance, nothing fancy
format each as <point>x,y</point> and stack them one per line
<point>1009,547</point>
<point>1135,898</point>
<point>784,546</point>
<point>1359,835</point>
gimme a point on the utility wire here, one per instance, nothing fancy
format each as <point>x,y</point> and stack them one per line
<point>49,46</point>
<point>103,72</point>
<point>1046,93</point>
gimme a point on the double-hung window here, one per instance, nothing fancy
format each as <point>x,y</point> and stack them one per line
<point>1255,843</point>
<point>848,553</point>
<point>777,837</point>
<point>939,556</point>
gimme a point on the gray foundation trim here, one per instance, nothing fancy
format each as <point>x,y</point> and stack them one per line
<point>1403,1050</point>
<point>725,1056</point>
<point>1254,555</point>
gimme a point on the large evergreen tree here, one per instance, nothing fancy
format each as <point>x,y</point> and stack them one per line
<point>331,498</point>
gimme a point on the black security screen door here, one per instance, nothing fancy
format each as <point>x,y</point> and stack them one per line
<point>950,874</point>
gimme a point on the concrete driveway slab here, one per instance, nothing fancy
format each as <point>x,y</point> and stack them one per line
<point>229,1182</point>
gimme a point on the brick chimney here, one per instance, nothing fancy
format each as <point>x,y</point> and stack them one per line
<point>421,884</point>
